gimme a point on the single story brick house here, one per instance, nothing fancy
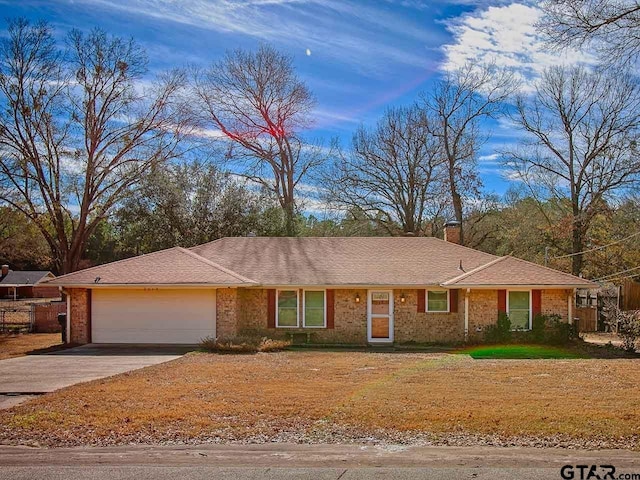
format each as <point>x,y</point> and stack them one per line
<point>26,284</point>
<point>352,290</point>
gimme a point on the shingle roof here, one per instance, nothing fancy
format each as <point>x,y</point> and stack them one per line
<point>24,277</point>
<point>324,261</point>
<point>513,271</point>
<point>175,266</point>
<point>343,260</point>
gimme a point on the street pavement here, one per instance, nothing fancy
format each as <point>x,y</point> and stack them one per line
<point>287,461</point>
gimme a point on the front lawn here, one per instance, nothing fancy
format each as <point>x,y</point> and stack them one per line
<point>28,343</point>
<point>319,396</point>
<point>521,352</point>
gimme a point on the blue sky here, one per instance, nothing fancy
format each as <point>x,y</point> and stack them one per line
<point>362,55</point>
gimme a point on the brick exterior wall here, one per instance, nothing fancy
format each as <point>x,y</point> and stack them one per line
<point>412,326</point>
<point>555,302</point>
<point>80,311</point>
<point>244,311</point>
<point>483,308</point>
<point>350,318</point>
<point>227,312</point>
<point>44,291</point>
<point>483,311</point>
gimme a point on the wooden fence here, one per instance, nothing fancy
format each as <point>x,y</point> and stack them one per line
<point>630,292</point>
<point>586,318</point>
<point>45,316</point>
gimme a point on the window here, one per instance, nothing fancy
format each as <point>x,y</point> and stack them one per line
<point>519,310</point>
<point>437,300</point>
<point>287,312</point>
<point>314,308</point>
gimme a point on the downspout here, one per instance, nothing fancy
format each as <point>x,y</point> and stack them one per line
<point>570,298</point>
<point>466,314</point>
<point>68,297</point>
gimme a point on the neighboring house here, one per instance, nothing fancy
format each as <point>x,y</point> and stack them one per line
<point>335,290</point>
<point>26,284</point>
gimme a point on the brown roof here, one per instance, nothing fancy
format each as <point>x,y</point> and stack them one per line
<point>513,271</point>
<point>323,261</point>
<point>343,260</point>
<point>174,266</point>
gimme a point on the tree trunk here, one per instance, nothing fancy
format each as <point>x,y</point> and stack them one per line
<point>456,199</point>
<point>290,218</point>
<point>577,245</point>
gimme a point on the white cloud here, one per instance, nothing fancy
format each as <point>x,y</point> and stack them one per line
<point>351,33</point>
<point>505,35</point>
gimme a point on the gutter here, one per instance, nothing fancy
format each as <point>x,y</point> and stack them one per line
<point>151,285</point>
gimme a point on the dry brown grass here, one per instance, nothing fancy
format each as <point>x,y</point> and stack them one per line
<point>341,396</point>
<point>19,345</point>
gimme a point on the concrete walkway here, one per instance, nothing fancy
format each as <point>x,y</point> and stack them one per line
<point>278,461</point>
<point>37,374</point>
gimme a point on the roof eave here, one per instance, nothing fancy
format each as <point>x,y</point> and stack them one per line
<point>152,285</point>
<point>521,285</point>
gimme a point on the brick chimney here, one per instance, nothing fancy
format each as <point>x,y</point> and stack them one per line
<point>452,231</point>
<point>5,270</point>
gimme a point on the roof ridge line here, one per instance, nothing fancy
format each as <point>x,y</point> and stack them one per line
<point>475,270</point>
<point>215,265</point>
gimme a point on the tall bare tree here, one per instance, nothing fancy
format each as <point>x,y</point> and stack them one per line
<point>458,104</point>
<point>394,173</point>
<point>76,131</point>
<point>580,144</point>
<point>610,27</point>
<point>261,107</point>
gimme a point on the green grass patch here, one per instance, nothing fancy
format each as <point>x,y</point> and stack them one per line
<point>480,352</point>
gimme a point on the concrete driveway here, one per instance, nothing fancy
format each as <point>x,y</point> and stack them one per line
<point>23,377</point>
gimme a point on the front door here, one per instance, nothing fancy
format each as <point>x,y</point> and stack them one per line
<point>380,318</point>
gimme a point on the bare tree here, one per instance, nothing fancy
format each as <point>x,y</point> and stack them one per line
<point>394,173</point>
<point>611,27</point>
<point>580,144</point>
<point>260,105</point>
<point>458,104</point>
<point>76,132</point>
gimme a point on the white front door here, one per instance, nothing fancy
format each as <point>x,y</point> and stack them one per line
<point>380,316</point>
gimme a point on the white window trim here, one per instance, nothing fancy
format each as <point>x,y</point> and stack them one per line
<point>426,300</point>
<point>297,325</point>
<point>304,308</point>
<point>530,306</point>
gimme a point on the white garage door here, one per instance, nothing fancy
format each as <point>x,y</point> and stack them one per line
<point>152,316</point>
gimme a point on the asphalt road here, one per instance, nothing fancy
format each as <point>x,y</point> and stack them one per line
<point>286,461</point>
<point>249,473</point>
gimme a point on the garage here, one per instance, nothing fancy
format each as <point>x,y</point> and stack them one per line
<point>152,315</point>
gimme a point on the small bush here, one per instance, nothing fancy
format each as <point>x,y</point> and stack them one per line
<point>243,344</point>
<point>551,330</point>
<point>625,323</point>
<point>629,329</point>
<point>500,332</point>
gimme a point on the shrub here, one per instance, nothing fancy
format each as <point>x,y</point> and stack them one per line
<point>625,323</point>
<point>550,329</point>
<point>538,328</point>
<point>499,332</point>
<point>243,344</point>
<point>629,329</point>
